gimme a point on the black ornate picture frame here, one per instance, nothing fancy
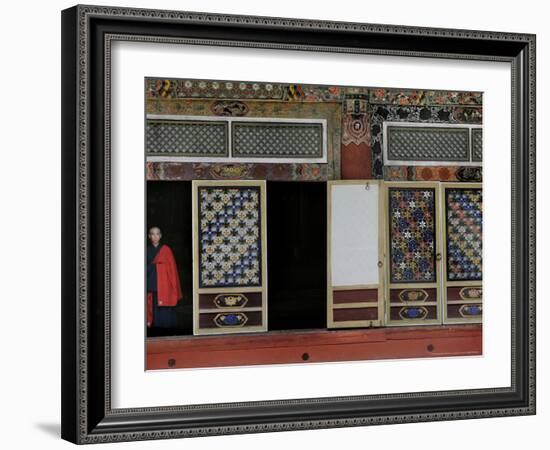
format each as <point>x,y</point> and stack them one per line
<point>87,35</point>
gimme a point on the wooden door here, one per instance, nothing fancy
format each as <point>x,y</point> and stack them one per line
<point>229,257</point>
<point>462,292</point>
<point>413,249</point>
<point>355,254</point>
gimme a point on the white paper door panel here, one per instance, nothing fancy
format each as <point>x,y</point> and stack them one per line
<point>354,234</point>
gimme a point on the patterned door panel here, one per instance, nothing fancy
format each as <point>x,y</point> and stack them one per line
<point>229,263</point>
<point>412,235</point>
<point>463,223</point>
<point>413,272</point>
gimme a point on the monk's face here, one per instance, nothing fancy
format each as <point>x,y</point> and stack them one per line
<point>154,236</point>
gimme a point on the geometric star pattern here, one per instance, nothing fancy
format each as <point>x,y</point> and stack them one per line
<point>412,235</point>
<point>229,236</point>
<point>464,234</point>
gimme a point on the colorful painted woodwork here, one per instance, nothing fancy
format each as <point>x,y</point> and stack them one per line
<point>403,169</point>
<point>440,128</point>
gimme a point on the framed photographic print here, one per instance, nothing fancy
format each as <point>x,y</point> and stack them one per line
<point>282,224</point>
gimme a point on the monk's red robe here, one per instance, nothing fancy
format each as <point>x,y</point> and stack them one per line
<point>168,282</point>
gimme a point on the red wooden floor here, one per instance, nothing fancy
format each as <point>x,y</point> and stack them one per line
<point>313,346</point>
